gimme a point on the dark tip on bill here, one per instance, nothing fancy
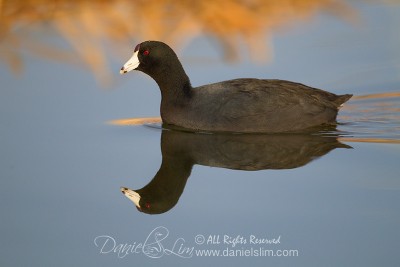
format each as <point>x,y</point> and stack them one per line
<point>123,71</point>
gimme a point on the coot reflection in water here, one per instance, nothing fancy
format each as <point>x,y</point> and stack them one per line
<point>250,152</point>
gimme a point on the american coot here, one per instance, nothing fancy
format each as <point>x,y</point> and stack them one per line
<point>240,105</point>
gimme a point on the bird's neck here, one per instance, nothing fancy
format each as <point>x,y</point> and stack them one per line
<point>174,85</point>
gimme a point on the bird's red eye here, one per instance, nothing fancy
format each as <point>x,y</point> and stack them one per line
<point>147,204</point>
<point>146,52</point>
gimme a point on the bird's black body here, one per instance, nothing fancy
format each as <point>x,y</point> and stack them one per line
<point>240,105</point>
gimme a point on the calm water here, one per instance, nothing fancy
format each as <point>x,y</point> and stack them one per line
<point>321,200</point>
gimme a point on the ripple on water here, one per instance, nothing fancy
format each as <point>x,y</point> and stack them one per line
<point>373,118</point>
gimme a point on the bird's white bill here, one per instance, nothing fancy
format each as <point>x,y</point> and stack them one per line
<point>131,64</point>
<point>132,195</point>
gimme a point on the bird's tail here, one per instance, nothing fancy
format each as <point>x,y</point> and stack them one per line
<point>341,99</point>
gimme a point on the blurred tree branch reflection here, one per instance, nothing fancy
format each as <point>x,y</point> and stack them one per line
<point>91,27</point>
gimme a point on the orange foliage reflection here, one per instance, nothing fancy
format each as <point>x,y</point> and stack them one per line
<point>90,27</point>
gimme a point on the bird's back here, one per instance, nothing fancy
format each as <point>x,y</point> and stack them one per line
<point>253,105</point>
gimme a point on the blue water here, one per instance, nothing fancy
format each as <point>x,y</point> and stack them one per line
<point>62,164</point>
